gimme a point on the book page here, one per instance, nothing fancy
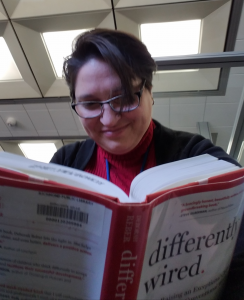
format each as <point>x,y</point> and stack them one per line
<point>52,247</point>
<point>174,174</point>
<point>190,244</point>
<point>62,174</point>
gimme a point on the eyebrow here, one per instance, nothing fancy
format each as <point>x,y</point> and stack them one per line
<point>84,97</point>
<point>89,96</point>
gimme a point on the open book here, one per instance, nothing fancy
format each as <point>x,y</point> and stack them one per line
<point>67,234</point>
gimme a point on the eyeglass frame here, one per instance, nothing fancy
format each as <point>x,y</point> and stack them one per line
<point>138,94</point>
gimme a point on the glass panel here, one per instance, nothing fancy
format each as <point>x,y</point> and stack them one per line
<point>59,45</point>
<point>235,92</point>
<point>187,80</point>
<point>178,38</point>
<point>8,68</point>
<point>38,151</point>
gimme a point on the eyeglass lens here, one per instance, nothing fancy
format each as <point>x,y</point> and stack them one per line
<point>93,109</point>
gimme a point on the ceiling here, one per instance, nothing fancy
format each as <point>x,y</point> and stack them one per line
<point>40,104</point>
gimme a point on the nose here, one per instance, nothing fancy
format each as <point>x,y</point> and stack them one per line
<point>109,117</point>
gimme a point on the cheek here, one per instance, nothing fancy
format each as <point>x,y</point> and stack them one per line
<point>90,126</point>
<point>144,114</point>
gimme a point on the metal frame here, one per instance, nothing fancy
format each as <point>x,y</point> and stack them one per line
<point>199,61</point>
<point>204,130</point>
<point>237,136</point>
<point>223,60</point>
<point>43,138</point>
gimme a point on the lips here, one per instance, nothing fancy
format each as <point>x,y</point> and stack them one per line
<point>112,132</point>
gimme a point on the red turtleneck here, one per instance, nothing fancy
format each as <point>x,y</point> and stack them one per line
<point>123,168</point>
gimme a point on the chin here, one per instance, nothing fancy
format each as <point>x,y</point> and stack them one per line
<point>116,149</point>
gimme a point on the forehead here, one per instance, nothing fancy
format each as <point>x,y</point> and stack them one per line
<point>96,76</point>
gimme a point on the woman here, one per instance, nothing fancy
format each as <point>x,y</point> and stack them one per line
<point>109,75</point>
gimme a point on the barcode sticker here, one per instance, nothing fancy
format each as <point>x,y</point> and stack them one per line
<point>64,212</point>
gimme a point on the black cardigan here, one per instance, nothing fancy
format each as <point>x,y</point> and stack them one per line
<point>170,145</point>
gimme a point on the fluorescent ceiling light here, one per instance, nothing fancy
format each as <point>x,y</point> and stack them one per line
<point>8,68</point>
<point>38,151</point>
<point>59,45</point>
<point>172,38</point>
<point>239,158</point>
<point>176,71</point>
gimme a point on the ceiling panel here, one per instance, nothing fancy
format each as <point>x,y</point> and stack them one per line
<point>64,22</point>
<point>214,29</point>
<point>220,114</point>
<point>239,46</point>
<point>66,132</point>
<point>29,33</point>
<point>3,15</point>
<point>131,3</point>
<point>26,88</point>
<point>171,12</point>
<point>237,70</point>
<point>223,136</point>
<point>4,134</point>
<point>63,120</point>
<point>29,8</point>
<point>11,107</point>
<point>57,106</point>
<point>186,115</point>
<point>234,90</point>
<point>4,130</point>
<point>161,113</point>
<point>48,133</point>
<point>158,101</point>
<point>78,124</point>
<point>58,88</point>
<point>35,106</point>
<point>24,126</point>
<point>107,22</point>
<point>186,129</point>
<point>188,100</point>
<point>240,33</point>
<point>42,120</point>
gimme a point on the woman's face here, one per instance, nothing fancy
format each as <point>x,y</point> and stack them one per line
<point>116,133</point>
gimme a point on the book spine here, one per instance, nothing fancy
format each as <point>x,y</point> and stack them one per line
<point>125,253</point>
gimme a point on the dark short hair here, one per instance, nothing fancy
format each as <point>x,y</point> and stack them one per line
<point>123,52</point>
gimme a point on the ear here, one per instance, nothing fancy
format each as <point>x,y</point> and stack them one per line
<point>150,91</point>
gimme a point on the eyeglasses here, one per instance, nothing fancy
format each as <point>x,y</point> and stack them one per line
<point>93,109</point>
